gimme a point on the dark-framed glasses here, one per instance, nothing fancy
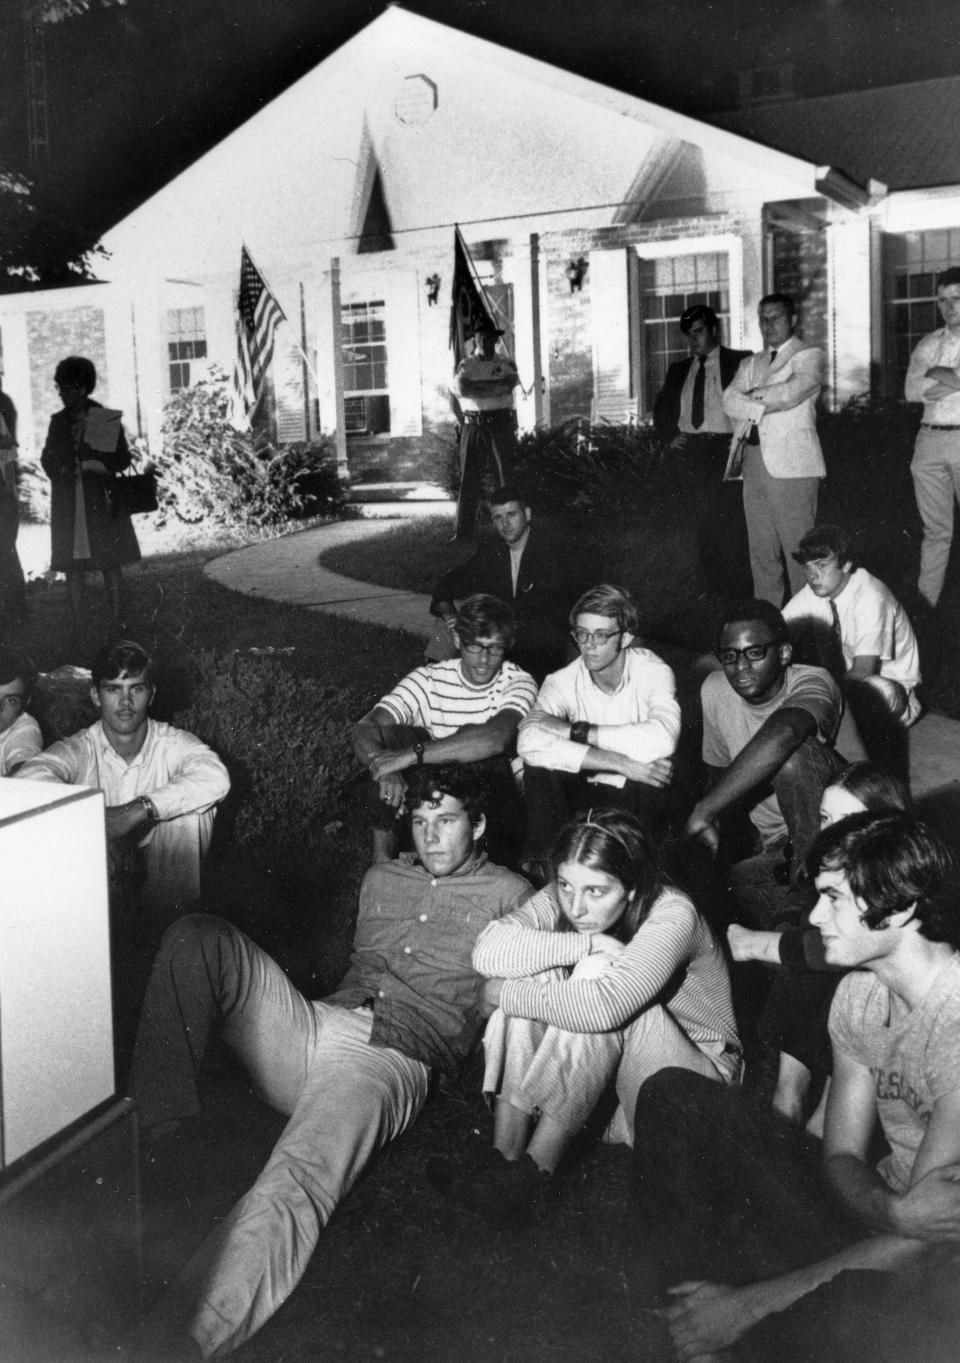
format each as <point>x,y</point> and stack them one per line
<point>754,653</point>
<point>491,650</point>
<point>587,638</point>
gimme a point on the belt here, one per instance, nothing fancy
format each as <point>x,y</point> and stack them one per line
<point>929,426</point>
<point>707,435</point>
<point>489,418</point>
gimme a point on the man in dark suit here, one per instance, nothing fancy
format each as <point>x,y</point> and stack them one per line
<point>540,579</point>
<point>695,430</point>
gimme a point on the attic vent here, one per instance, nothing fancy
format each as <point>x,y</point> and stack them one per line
<point>766,84</point>
<point>416,100</point>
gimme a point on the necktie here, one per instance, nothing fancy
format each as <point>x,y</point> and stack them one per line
<point>831,652</point>
<point>699,390</point>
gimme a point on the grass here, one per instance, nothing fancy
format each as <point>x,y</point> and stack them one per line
<point>398,1275</point>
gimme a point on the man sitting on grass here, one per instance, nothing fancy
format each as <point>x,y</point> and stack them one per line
<point>161,786</point>
<point>351,1071</point>
<point>19,732</point>
<point>858,628</point>
<point>464,710</point>
<point>769,727</point>
<point>883,1286</point>
<point>603,730</point>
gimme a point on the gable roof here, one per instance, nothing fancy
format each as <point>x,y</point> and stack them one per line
<point>507,137</point>
<point>907,136</point>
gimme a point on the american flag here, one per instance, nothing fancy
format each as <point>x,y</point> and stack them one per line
<point>258,316</point>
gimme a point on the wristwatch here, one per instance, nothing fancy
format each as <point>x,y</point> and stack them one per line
<point>418,749</point>
<point>580,732</point>
<point>146,804</point>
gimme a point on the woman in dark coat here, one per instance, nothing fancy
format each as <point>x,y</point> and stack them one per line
<point>86,535</point>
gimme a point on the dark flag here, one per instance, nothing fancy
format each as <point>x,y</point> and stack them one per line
<point>258,316</point>
<point>470,304</point>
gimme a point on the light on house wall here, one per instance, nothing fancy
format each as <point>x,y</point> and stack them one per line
<point>575,272</point>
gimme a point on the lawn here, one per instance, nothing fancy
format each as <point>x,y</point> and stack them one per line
<point>398,1274</point>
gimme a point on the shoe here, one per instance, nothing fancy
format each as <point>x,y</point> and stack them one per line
<point>504,1192</point>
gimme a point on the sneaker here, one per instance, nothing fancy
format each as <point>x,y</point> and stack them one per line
<point>504,1192</point>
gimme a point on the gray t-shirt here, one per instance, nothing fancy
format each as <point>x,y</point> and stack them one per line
<point>912,1054</point>
<point>729,723</point>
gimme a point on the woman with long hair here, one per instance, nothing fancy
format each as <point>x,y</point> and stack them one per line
<point>608,973</point>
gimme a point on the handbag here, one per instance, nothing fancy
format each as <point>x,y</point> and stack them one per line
<point>132,494</point>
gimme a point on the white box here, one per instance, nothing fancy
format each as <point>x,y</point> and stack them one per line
<point>56,1028</point>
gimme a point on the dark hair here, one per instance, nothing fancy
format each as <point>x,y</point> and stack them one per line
<point>951,275</point>
<point>893,862</point>
<point>482,614</point>
<point>876,788</point>
<point>16,666</point>
<point>428,786</point>
<point>617,843</point>
<point>783,299</point>
<point>119,657</point>
<point>614,602</point>
<point>76,370</point>
<point>754,612</point>
<point>822,541</point>
<point>508,493</point>
<point>698,312</point>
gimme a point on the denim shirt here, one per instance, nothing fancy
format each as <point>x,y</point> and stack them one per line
<point>411,955</point>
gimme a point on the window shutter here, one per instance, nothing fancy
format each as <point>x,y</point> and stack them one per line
<point>610,314</point>
<point>404,377</point>
<point>288,387</point>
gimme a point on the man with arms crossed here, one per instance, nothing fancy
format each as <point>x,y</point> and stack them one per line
<point>350,1071</point>
<point>887,912</point>
<point>933,378</point>
<point>604,728</point>
<point>773,401</point>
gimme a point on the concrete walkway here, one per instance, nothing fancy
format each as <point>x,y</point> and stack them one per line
<point>289,570</point>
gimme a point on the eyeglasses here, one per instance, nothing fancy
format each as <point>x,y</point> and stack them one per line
<point>491,650</point>
<point>586,638</point>
<point>754,653</point>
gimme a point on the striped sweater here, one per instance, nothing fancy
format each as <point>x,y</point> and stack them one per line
<point>673,960</point>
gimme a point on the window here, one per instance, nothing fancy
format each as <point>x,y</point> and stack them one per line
<point>668,286</point>
<point>912,261</point>
<point>365,386</point>
<point>186,341</point>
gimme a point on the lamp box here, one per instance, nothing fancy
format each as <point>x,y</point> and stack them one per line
<point>56,1028</point>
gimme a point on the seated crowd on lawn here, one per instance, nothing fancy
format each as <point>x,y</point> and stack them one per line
<point>537,878</point>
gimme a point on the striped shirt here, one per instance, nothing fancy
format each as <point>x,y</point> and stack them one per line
<point>438,698</point>
<point>673,960</point>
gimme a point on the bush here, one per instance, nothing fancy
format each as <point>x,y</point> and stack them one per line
<point>210,472</point>
<point>601,468</point>
<point>284,740</point>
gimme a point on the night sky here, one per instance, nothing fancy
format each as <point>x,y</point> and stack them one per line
<point>137,93</point>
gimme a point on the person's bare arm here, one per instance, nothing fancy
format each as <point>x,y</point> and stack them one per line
<point>762,757</point>
<point>472,743</point>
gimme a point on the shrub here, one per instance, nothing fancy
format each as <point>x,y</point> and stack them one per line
<point>209,471</point>
<point>600,468</point>
<point>284,740</point>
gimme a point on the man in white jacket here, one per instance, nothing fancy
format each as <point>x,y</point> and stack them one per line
<point>773,399</point>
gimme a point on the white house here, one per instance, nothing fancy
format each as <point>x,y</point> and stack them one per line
<point>346,190</point>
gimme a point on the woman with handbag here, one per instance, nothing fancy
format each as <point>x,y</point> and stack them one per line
<point>82,454</point>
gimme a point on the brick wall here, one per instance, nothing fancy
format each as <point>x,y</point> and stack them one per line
<point>51,337</point>
<point>800,269</point>
<point>568,315</point>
